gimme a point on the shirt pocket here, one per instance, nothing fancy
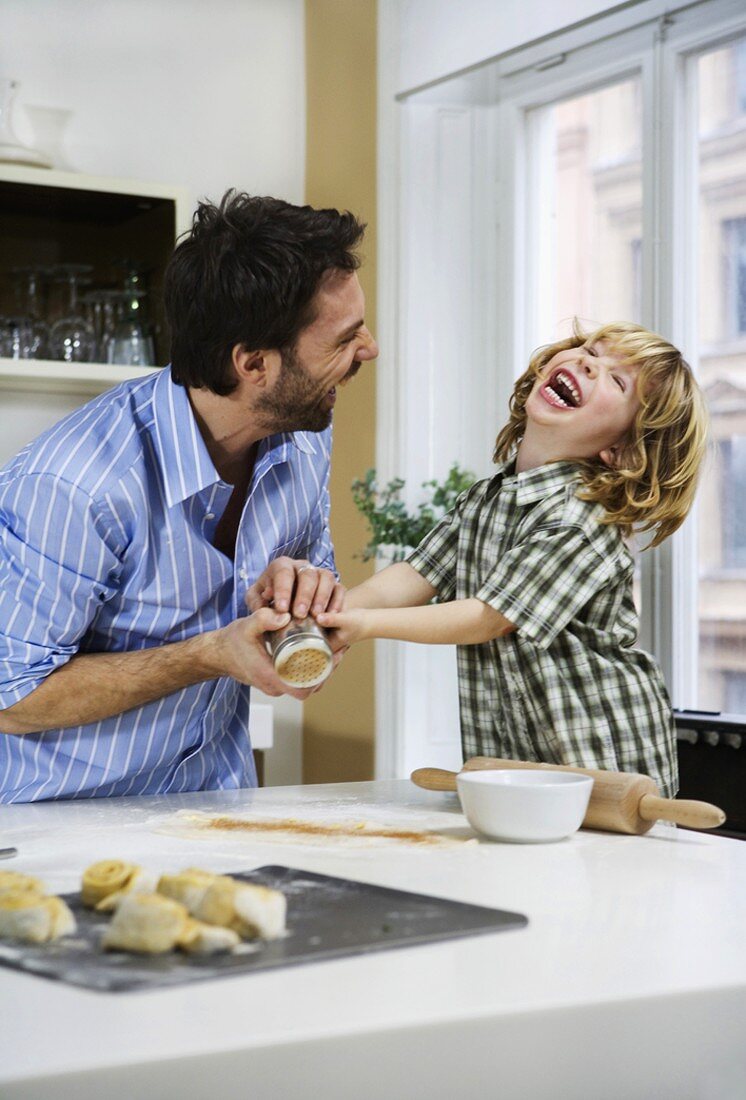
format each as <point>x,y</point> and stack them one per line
<point>301,543</point>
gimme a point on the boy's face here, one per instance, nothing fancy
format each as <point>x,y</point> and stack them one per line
<point>583,404</point>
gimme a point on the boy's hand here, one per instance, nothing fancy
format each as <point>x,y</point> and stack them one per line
<point>345,627</point>
<point>296,586</point>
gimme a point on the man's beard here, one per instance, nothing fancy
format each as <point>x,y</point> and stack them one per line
<point>295,405</point>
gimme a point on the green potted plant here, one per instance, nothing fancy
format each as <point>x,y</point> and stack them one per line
<point>394,529</point>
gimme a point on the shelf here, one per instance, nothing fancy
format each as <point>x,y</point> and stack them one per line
<point>106,185</point>
<point>49,217</point>
<point>53,376</point>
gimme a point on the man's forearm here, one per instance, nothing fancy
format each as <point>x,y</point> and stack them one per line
<point>94,686</point>
<point>460,622</point>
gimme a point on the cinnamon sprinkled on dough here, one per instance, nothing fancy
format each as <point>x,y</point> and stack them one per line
<point>309,828</point>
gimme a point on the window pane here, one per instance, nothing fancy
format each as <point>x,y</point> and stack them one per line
<point>589,209</point>
<point>722,368</point>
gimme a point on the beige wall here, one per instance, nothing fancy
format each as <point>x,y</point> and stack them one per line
<point>338,725</point>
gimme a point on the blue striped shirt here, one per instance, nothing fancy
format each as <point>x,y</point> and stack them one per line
<point>106,528</point>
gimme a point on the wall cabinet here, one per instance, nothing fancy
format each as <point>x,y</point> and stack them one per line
<point>49,217</point>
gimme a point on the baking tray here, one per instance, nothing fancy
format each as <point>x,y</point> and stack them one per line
<point>328,918</point>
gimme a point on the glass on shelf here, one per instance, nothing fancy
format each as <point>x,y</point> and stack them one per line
<point>130,342</point>
<point>26,336</point>
<point>16,338</point>
<point>72,338</point>
<point>103,310</point>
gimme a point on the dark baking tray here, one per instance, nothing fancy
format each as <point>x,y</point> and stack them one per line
<point>327,918</point>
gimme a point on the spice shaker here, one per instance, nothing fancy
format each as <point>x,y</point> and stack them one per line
<point>300,653</point>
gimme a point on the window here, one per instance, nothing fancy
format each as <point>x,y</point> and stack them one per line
<point>588,209</point>
<point>720,188</point>
<point>600,173</point>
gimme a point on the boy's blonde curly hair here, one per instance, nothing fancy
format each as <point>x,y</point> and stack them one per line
<point>652,485</point>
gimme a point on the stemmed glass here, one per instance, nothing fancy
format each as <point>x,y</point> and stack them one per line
<point>72,338</point>
<point>103,309</point>
<point>130,343</point>
<point>26,335</point>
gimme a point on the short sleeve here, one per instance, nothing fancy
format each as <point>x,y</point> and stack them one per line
<point>435,557</point>
<point>542,584</point>
<point>58,564</point>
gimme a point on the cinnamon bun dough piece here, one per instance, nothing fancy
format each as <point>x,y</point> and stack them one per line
<point>33,918</point>
<point>260,911</point>
<point>216,905</point>
<point>189,886</point>
<point>107,876</point>
<point>147,924</point>
<point>140,882</point>
<point>17,880</point>
<point>252,911</point>
<point>62,918</point>
<point>207,939</point>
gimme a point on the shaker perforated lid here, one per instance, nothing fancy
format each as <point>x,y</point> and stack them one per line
<point>303,661</point>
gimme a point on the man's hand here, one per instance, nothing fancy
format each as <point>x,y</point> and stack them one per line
<point>242,654</point>
<point>296,586</point>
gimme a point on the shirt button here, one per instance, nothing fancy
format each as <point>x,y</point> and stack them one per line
<point>209,515</point>
<point>243,574</point>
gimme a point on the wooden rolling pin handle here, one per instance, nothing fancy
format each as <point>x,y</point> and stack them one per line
<point>694,815</point>
<point>434,779</point>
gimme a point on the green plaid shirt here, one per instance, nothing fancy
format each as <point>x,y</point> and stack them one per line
<point>567,686</point>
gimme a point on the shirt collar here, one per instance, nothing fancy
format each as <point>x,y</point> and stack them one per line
<point>185,462</point>
<point>533,485</point>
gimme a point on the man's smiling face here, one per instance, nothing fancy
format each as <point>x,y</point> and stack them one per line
<point>328,352</point>
<point>583,403</point>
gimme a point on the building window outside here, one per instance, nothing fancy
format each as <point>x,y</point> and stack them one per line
<point>734,291</point>
<point>739,76</point>
<point>733,496</point>
<point>735,692</point>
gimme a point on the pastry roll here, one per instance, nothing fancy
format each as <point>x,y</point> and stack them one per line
<point>16,880</point>
<point>33,918</point>
<point>189,886</point>
<point>139,882</point>
<point>216,905</point>
<point>146,923</point>
<point>260,911</point>
<point>104,878</point>
<point>63,921</point>
<point>207,939</point>
<point>248,909</point>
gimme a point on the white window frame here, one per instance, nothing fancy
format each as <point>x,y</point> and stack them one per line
<point>659,44</point>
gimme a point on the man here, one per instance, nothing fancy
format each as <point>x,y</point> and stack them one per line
<point>131,531</point>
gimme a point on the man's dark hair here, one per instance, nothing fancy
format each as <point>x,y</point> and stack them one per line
<point>246,274</point>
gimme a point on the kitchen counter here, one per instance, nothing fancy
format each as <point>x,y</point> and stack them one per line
<point>629,981</point>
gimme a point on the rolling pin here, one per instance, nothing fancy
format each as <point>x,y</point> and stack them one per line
<point>621,802</point>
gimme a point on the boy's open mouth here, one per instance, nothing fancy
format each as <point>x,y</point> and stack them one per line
<point>562,389</point>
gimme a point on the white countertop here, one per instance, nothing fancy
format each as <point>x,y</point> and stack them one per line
<point>630,980</point>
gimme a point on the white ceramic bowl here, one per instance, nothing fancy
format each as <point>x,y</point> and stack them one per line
<point>523,805</point>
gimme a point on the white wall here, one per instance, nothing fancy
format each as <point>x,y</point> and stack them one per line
<point>205,94</point>
<point>439,37</point>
